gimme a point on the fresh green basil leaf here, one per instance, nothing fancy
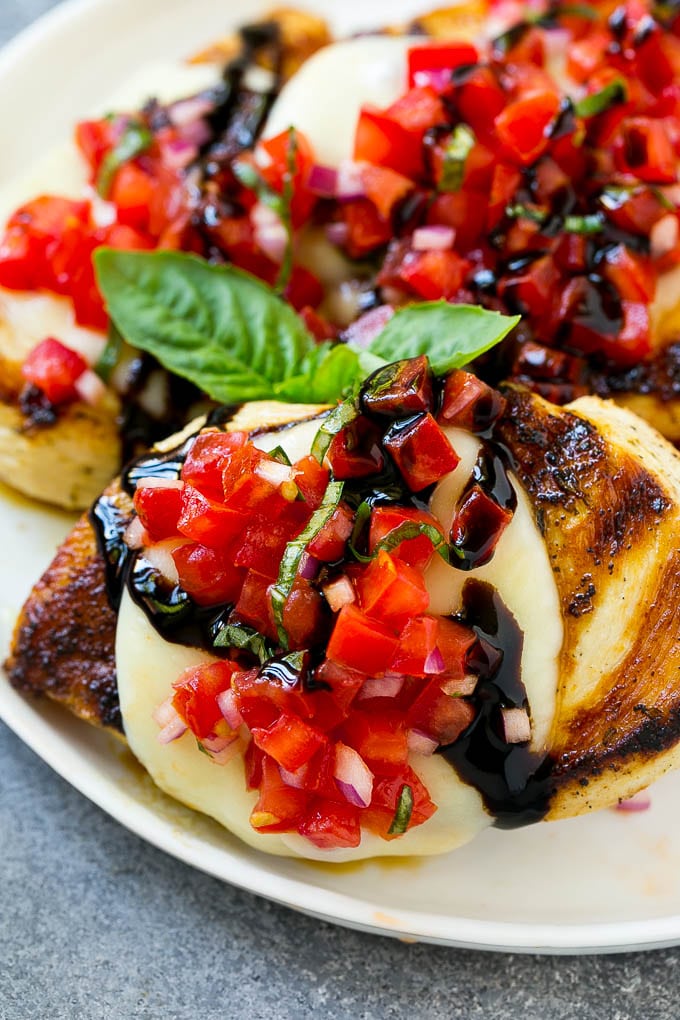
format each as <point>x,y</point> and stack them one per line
<point>135,140</point>
<point>611,95</point>
<point>108,359</point>
<point>450,335</point>
<point>337,419</point>
<point>402,815</point>
<point>217,326</point>
<point>591,223</point>
<point>527,212</point>
<point>361,519</point>
<point>324,374</point>
<point>414,529</point>
<point>238,635</point>
<point>290,561</point>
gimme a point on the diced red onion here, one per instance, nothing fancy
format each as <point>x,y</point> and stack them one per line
<point>270,233</point>
<point>309,566</point>
<point>184,111</point>
<point>164,713</point>
<point>434,238</point>
<point>350,181</point>
<point>323,181</point>
<point>226,702</point>
<point>178,153</point>
<point>197,133</point>
<point>154,482</point>
<point>337,233</point>
<point>173,729</point>
<point>387,686</point>
<point>339,593</point>
<point>135,535</point>
<point>557,41</point>
<point>228,751</point>
<point>89,387</point>
<point>460,686</point>
<point>434,663</point>
<point>274,472</point>
<point>353,776</point>
<point>663,237</point>
<point>639,802</point>
<point>216,744</point>
<point>516,725</point>
<point>420,743</point>
<point>160,557</point>
<point>438,78</point>
<point>363,332</point>
<point>295,779</point>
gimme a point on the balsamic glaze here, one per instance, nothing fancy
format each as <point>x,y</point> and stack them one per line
<point>510,777</point>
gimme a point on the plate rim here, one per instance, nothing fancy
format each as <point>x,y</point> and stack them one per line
<point>25,718</point>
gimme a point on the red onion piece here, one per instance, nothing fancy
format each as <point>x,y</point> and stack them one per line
<point>438,78</point>
<point>89,387</point>
<point>295,779</point>
<point>387,686</point>
<point>197,133</point>
<point>364,331</point>
<point>309,566</point>
<point>153,482</point>
<point>160,556</point>
<point>353,777</point>
<point>229,751</point>
<point>178,153</point>
<point>434,663</point>
<point>639,802</point>
<point>274,473</point>
<point>339,593</point>
<point>337,233</point>
<point>516,725</point>
<point>350,182</point>
<point>226,702</point>
<point>420,743</point>
<point>164,713</point>
<point>172,730</point>
<point>135,535</point>
<point>323,181</point>
<point>460,686</point>
<point>663,237</point>
<point>434,238</point>
<point>270,233</point>
<point>184,111</point>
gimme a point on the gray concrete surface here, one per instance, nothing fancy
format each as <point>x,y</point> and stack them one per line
<point>96,925</point>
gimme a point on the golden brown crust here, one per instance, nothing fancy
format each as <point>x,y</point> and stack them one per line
<point>64,638</point>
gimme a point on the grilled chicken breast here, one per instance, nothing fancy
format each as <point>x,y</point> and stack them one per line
<point>605,493</point>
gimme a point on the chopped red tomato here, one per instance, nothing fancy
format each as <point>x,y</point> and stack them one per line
<point>427,62</point>
<point>279,807</point>
<point>159,509</point>
<point>418,551</point>
<point>54,369</point>
<point>329,825</point>
<point>195,697</point>
<point>392,591</point>
<point>421,451</point>
<point>290,741</point>
<point>361,643</point>
<point>206,576</point>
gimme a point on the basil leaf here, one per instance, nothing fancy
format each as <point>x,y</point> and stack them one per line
<point>341,416</point>
<point>413,529</point>
<point>450,335</point>
<point>135,140</point>
<point>361,518</point>
<point>517,211</point>
<point>108,359</point>
<point>237,635</point>
<point>290,561</point>
<point>457,151</point>
<point>402,816</point>
<point>611,95</point>
<point>591,223</point>
<point>217,326</point>
<point>328,371</point>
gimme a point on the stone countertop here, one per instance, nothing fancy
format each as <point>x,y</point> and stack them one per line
<point>94,923</point>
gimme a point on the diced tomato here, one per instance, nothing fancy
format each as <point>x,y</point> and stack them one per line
<point>290,741</point>
<point>355,451</point>
<point>159,509</point>
<point>418,551</point>
<point>303,289</point>
<point>426,63</point>
<point>279,807</point>
<point>361,643</point>
<point>400,389</point>
<point>480,100</point>
<point>262,699</point>
<point>254,604</point>
<point>648,151</point>
<point>195,697</point>
<point>506,181</point>
<point>207,521</point>
<point>443,717</point>
<point>421,451</point>
<point>253,761</point>
<point>54,368</point>
<point>463,210</point>
<point>534,288</point>
<point>124,237</point>
<point>131,193</point>
<point>454,641</point>
<point>391,591</point>
<point>478,524</point>
<point>43,243</point>
<point>366,228</point>
<point>416,111</point>
<point>384,187</point>
<point>305,615</point>
<point>278,149</point>
<point>381,139</point>
<point>311,479</point>
<point>433,275</point>
<point>633,275</point>
<point>329,545</point>
<point>522,126</point>
<point>95,138</point>
<point>330,825</point>
<point>418,645</point>
<point>205,462</point>
<point>380,738</point>
<point>205,575</point>
<point>264,539</point>
<point>584,56</point>
<point>316,324</point>
<point>469,403</point>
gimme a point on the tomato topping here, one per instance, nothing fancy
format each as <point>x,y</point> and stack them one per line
<point>381,139</point>
<point>329,825</point>
<point>418,551</point>
<point>279,807</point>
<point>195,697</point>
<point>391,590</point>
<point>361,643</point>
<point>421,451</point>
<point>311,479</point>
<point>54,368</point>
<point>478,524</point>
<point>206,460</point>
<point>205,575</point>
<point>159,509</point>
<point>290,741</point>
<point>432,64</point>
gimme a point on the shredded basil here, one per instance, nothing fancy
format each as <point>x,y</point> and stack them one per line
<point>292,554</point>
<point>402,816</point>
<point>135,140</point>
<point>279,454</point>
<point>527,212</point>
<point>108,359</point>
<point>591,223</point>
<point>362,516</point>
<point>457,151</point>
<point>611,95</point>
<point>238,635</point>
<point>338,419</point>
<point>402,533</point>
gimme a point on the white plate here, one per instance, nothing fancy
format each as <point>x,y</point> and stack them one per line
<point>603,883</point>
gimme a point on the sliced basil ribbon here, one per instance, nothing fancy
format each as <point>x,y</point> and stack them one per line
<point>402,533</point>
<point>292,555</point>
<point>135,140</point>
<point>237,635</point>
<point>402,816</point>
<point>456,153</point>
<point>338,419</point>
<point>611,95</point>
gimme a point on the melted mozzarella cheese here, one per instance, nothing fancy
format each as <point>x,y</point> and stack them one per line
<point>147,666</point>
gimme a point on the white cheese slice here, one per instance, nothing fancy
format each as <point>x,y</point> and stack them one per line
<point>147,666</point>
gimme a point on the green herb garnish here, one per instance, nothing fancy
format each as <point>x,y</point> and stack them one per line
<point>238,635</point>
<point>611,95</point>
<point>402,816</point>
<point>135,140</point>
<point>338,419</point>
<point>457,151</point>
<point>591,223</point>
